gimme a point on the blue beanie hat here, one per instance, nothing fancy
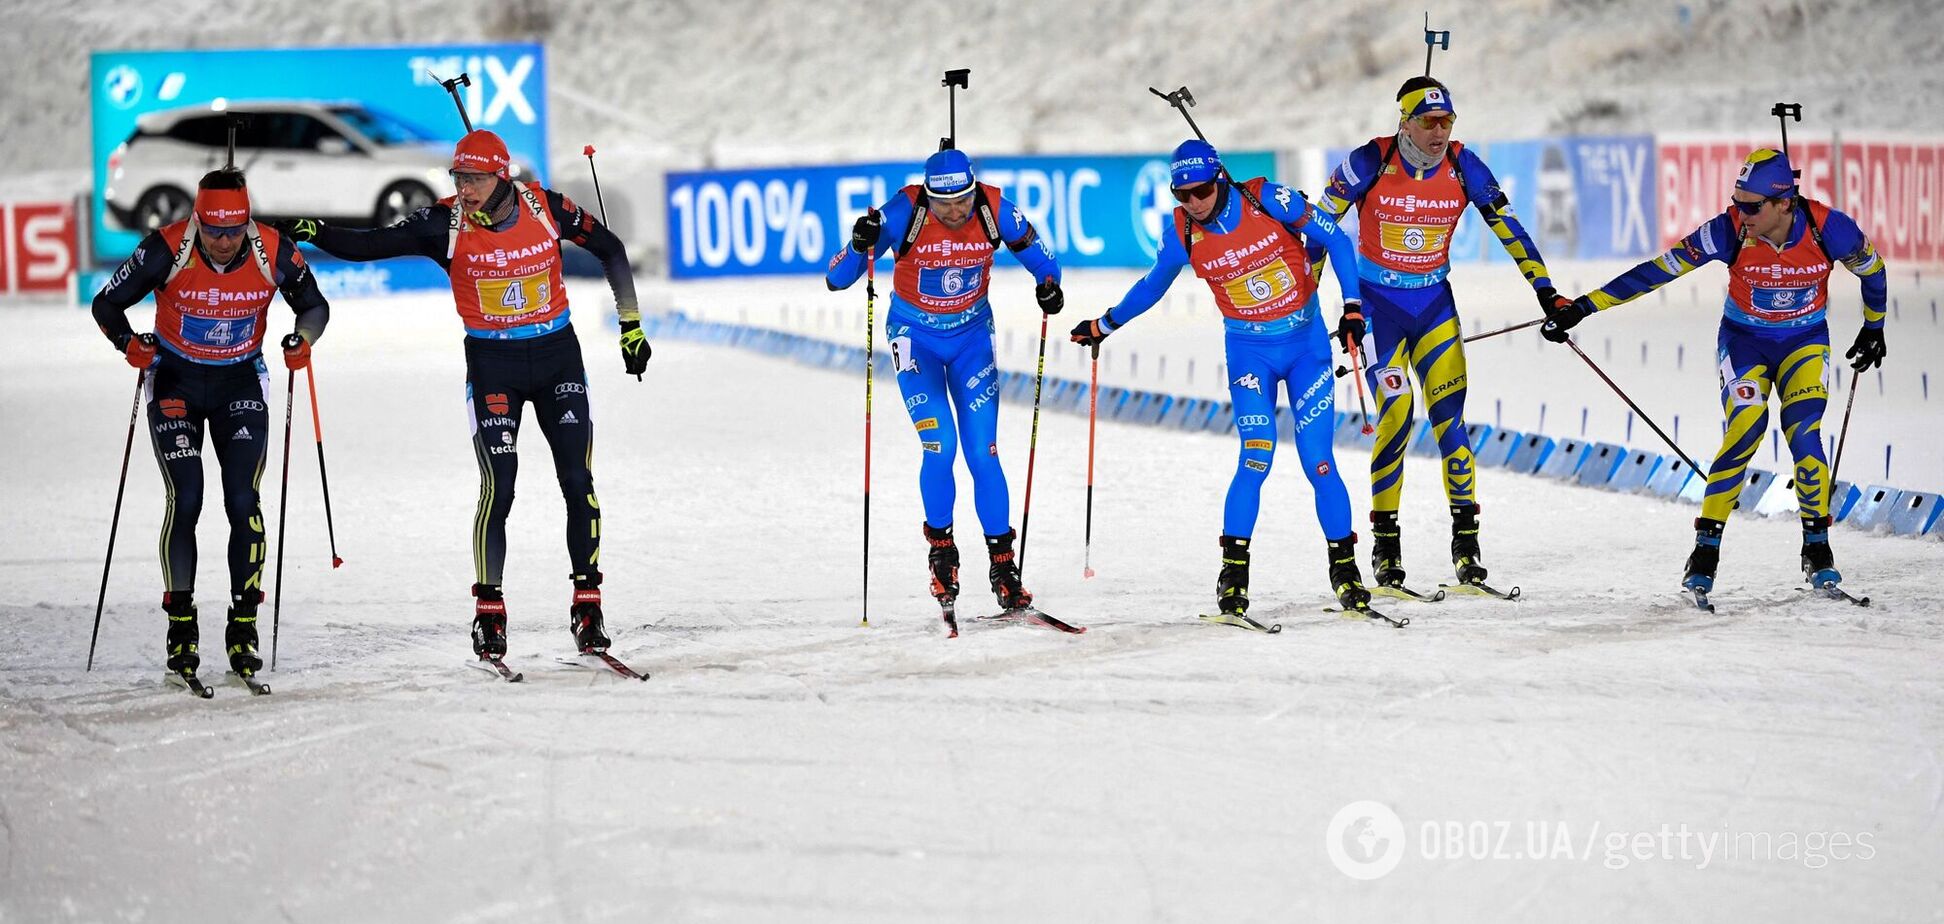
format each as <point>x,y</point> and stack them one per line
<point>948,174</point>
<point>1767,173</point>
<point>1195,162</point>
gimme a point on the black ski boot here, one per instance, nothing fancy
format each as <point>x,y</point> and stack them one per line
<point>182,638</point>
<point>1706,556</point>
<point>1386,550</point>
<point>1005,572</point>
<point>1818,562</point>
<point>1232,585</point>
<point>944,562</point>
<point>1465,560</point>
<point>489,622</point>
<point>240,636</point>
<point>584,617</point>
<point>1345,580</point>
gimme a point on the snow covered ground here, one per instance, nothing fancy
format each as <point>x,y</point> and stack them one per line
<point>784,763</point>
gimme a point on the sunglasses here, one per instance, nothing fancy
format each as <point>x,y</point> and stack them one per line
<point>1436,121</point>
<point>1750,208</point>
<point>224,233</point>
<point>1198,191</point>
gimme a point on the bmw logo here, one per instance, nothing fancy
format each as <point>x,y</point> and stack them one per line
<point>123,86</point>
<point>1152,204</point>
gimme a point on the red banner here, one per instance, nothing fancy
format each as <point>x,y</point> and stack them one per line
<point>1893,189</point>
<point>36,246</point>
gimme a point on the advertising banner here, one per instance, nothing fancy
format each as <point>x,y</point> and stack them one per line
<point>37,246</point>
<point>1094,210</point>
<point>354,135</point>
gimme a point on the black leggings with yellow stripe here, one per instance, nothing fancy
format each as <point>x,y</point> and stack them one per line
<point>502,378</point>
<point>231,402</point>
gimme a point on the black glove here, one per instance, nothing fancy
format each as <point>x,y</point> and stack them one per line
<point>1350,330</point>
<point>1051,299</point>
<point>1551,302</point>
<point>634,348</point>
<point>864,234</point>
<point>1868,349</point>
<point>1560,321</point>
<point>1091,333</point>
<point>298,229</point>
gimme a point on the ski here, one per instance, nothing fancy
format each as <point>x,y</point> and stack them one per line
<point>949,613</point>
<point>1365,612</point>
<point>1480,589</point>
<point>1240,621</point>
<point>602,661</point>
<point>187,680</point>
<point>250,681</point>
<point>1035,616</point>
<point>1400,592</point>
<point>497,667</point>
<point>1829,590</point>
<point>1699,598</point>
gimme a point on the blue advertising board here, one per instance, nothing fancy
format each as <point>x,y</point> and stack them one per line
<point>356,126</point>
<point>1094,210</point>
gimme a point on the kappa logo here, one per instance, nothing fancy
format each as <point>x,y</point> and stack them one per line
<point>174,407</point>
<point>498,404</point>
<point>1250,382</point>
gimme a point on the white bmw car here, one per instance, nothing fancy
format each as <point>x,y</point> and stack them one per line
<point>339,161</point>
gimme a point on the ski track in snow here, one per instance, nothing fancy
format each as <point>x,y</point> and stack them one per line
<point>785,763</point>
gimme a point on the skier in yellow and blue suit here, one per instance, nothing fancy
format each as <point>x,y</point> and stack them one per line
<point>1780,249</point>
<point>1410,189</point>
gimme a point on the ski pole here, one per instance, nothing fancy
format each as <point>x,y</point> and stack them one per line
<point>870,365</point>
<point>1093,410</point>
<point>1505,330</point>
<point>283,510</point>
<point>589,151</point>
<point>1843,436</point>
<point>1356,372</point>
<point>1032,445</point>
<point>1635,407</point>
<point>317,427</point>
<point>114,524</point>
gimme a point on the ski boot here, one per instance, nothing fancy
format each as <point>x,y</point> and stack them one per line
<point>240,636</point>
<point>1005,573</point>
<point>944,562</point>
<point>489,622</point>
<point>1818,562</point>
<point>1465,559</point>
<point>1345,580</point>
<point>1232,585</point>
<point>584,617</point>
<point>1701,562</point>
<point>182,638</point>
<point>1386,551</point>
